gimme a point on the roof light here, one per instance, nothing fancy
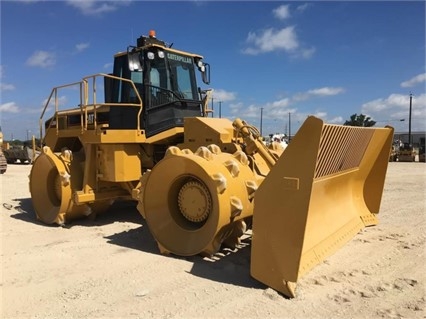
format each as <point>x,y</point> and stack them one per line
<point>152,34</point>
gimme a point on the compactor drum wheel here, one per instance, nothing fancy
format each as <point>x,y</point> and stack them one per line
<point>51,186</point>
<point>193,202</point>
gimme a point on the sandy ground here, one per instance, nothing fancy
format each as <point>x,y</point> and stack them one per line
<point>111,267</point>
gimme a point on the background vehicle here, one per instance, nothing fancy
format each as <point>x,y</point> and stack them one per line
<point>422,151</point>
<point>393,156</point>
<point>22,154</point>
<point>3,161</point>
<point>406,153</point>
<point>201,182</point>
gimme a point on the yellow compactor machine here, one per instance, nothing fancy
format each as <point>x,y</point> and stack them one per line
<point>202,182</point>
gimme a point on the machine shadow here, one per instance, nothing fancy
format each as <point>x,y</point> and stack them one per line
<point>25,211</point>
<point>138,238</point>
<point>230,266</point>
<point>120,211</point>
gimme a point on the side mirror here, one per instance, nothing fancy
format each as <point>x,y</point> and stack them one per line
<point>205,72</point>
<point>204,68</point>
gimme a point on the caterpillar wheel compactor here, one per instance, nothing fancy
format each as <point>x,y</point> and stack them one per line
<point>202,182</point>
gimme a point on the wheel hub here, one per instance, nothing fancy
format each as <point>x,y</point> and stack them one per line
<point>194,201</point>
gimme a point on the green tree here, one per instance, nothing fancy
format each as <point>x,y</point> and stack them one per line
<point>360,120</point>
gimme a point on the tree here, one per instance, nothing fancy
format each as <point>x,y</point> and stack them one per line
<point>360,120</point>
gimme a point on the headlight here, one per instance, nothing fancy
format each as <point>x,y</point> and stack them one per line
<point>161,54</point>
<point>150,55</point>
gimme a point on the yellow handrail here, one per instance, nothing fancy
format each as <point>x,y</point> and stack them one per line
<point>55,93</point>
<point>95,105</point>
<point>84,102</point>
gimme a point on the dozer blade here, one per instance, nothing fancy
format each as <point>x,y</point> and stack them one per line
<point>323,190</point>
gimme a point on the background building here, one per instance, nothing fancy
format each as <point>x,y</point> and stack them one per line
<point>417,138</point>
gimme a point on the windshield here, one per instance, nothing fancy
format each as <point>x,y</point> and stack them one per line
<point>174,72</point>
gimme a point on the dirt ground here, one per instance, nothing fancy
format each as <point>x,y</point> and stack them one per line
<point>111,267</point>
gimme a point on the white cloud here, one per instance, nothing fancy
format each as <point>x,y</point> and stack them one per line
<point>279,104</point>
<point>414,80</point>
<point>235,108</point>
<point>281,107</point>
<point>320,114</point>
<point>324,91</point>
<point>276,114</point>
<point>282,12</point>
<point>6,87</point>
<point>394,101</point>
<point>252,111</point>
<point>9,107</point>
<point>307,53</point>
<point>29,1</point>
<point>323,116</point>
<point>62,100</point>
<point>271,110</point>
<point>222,95</point>
<point>303,7</point>
<point>395,108</point>
<point>270,40</point>
<point>81,46</point>
<point>284,39</point>
<point>336,120</point>
<point>96,7</point>
<point>42,59</point>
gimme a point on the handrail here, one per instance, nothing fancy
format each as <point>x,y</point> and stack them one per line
<point>54,92</point>
<point>94,104</point>
<point>84,102</point>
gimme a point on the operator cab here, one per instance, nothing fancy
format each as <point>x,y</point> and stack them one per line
<point>165,80</point>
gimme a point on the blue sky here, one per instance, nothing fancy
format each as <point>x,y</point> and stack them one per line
<point>330,59</point>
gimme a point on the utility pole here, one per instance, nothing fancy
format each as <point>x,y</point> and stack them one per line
<point>212,108</point>
<point>289,126</point>
<point>220,109</point>
<point>261,119</point>
<point>409,120</point>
